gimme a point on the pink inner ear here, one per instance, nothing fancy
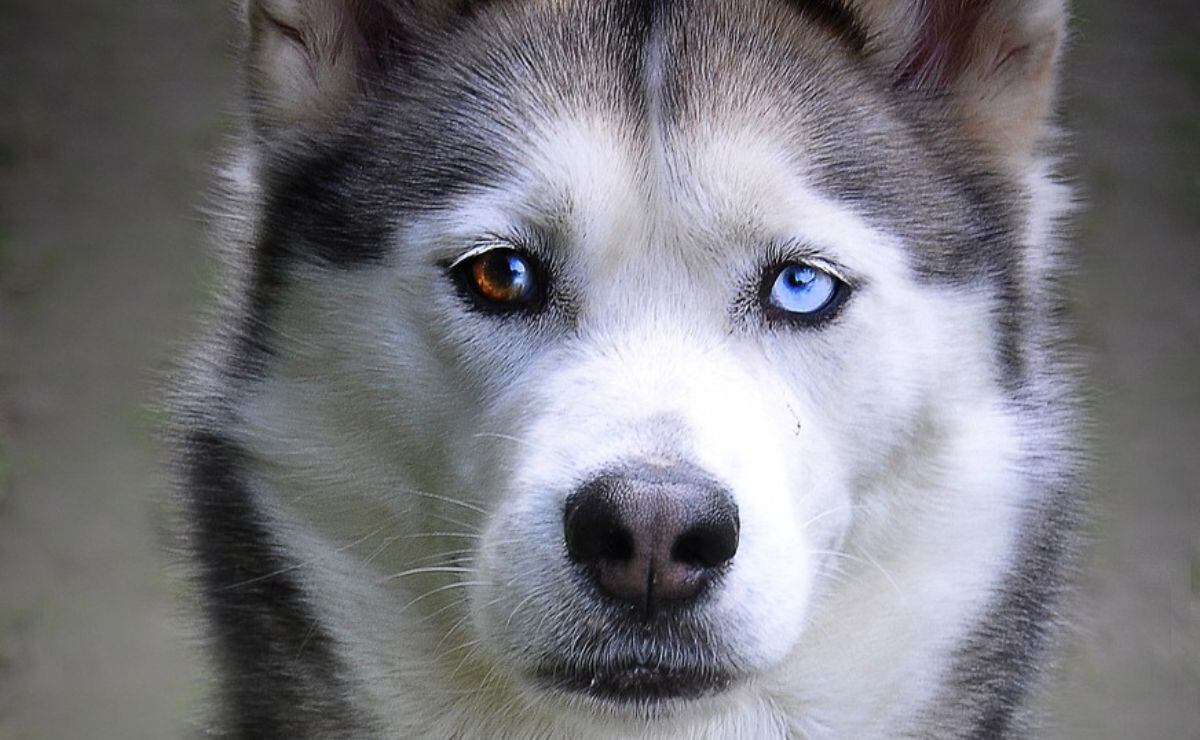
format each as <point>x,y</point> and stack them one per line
<point>942,47</point>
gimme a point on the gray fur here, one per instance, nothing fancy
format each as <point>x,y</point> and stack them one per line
<point>445,109</point>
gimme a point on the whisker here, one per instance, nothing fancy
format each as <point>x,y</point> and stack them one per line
<point>508,438</point>
<point>517,608</point>
<point>471,647</point>
<point>437,649</point>
<point>441,589</point>
<point>383,546</point>
<point>423,571</point>
<point>444,555</point>
<point>445,499</point>
<point>826,513</point>
<point>882,570</point>
<point>303,564</point>
<point>312,628</point>
<point>465,526</point>
<point>460,535</point>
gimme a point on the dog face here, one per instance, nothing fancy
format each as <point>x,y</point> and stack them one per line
<point>629,322</point>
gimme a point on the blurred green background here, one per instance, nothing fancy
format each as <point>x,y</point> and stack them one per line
<point>111,115</point>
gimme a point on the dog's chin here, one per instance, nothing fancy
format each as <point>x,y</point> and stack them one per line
<point>633,687</point>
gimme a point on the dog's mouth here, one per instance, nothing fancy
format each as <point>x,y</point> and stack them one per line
<point>634,683</point>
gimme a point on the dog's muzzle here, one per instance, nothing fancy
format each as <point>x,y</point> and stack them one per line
<point>650,544</point>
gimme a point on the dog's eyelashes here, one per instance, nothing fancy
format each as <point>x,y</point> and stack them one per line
<point>802,293</point>
<point>501,280</point>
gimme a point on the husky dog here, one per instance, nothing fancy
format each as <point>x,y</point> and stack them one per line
<point>634,368</point>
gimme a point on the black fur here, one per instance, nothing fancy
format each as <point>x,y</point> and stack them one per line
<point>1003,660</point>
<point>413,142</point>
<point>279,675</point>
<point>838,18</point>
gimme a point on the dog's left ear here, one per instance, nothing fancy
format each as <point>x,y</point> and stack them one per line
<point>993,62</point>
<point>307,59</point>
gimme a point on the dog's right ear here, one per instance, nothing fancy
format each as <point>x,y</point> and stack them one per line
<point>307,59</point>
<point>990,64</point>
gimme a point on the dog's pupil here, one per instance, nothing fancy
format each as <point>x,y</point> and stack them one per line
<point>503,276</point>
<point>802,277</point>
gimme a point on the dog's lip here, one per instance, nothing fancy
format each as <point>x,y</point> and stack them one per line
<point>634,681</point>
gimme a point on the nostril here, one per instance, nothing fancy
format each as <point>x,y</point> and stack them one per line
<point>708,546</point>
<point>617,545</point>
<point>594,531</point>
<point>589,545</point>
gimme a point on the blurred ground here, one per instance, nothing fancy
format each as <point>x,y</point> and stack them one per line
<point>109,114</point>
<point>1133,101</point>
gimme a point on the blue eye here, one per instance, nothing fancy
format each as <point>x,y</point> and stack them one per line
<point>803,291</point>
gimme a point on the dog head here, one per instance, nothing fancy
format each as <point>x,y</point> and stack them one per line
<point>636,314</point>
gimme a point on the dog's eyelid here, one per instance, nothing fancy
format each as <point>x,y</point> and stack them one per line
<point>477,250</point>
<point>832,268</point>
<point>802,253</point>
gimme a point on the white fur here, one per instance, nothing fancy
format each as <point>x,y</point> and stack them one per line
<point>394,414</point>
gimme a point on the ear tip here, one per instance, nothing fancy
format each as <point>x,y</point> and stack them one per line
<point>991,63</point>
<point>304,59</point>
<point>946,38</point>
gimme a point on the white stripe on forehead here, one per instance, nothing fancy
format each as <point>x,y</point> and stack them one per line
<point>708,193</point>
<point>579,177</point>
<point>747,183</point>
<point>591,165</point>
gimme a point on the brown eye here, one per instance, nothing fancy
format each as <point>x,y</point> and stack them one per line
<point>501,279</point>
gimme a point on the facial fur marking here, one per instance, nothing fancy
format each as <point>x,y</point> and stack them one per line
<point>388,484</point>
<point>837,17</point>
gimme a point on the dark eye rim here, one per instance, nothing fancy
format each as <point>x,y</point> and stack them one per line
<point>460,275</point>
<point>816,319</point>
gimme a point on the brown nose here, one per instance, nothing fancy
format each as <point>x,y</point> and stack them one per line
<point>652,535</point>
